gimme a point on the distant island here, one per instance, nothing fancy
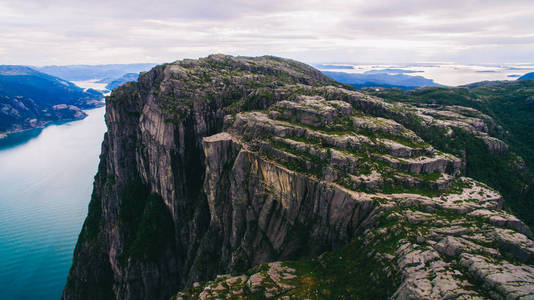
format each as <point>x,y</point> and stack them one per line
<point>32,99</point>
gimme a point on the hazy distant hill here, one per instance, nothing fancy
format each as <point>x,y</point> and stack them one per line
<point>30,99</point>
<point>323,66</point>
<point>123,79</point>
<point>382,78</point>
<point>527,76</point>
<point>87,72</point>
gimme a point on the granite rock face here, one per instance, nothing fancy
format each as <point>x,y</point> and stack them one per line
<point>265,169</point>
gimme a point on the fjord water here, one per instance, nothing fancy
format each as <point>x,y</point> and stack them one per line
<point>45,187</point>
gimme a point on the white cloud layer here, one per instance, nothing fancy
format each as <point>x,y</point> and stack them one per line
<point>43,32</point>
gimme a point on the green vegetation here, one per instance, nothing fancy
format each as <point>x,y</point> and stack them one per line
<point>317,163</point>
<point>348,272</point>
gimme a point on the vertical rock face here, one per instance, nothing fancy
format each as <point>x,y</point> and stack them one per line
<point>222,164</point>
<point>266,212</point>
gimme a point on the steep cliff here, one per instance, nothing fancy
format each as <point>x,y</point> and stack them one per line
<point>220,165</point>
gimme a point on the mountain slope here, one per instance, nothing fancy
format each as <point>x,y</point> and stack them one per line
<point>29,99</point>
<point>223,164</point>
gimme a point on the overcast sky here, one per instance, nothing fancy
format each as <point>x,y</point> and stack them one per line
<point>42,32</point>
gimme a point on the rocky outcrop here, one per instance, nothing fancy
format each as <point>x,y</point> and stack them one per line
<point>265,169</point>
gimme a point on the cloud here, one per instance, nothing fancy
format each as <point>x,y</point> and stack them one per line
<point>67,32</point>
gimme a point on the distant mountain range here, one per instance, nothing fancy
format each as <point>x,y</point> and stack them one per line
<point>387,78</point>
<point>88,72</point>
<point>32,99</point>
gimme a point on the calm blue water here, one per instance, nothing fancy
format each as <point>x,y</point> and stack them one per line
<point>45,186</point>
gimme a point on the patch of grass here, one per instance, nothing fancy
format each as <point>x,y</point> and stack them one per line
<point>349,272</point>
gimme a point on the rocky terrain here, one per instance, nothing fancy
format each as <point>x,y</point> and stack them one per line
<point>31,99</point>
<point>507,109</point>
<point>251,178</point>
